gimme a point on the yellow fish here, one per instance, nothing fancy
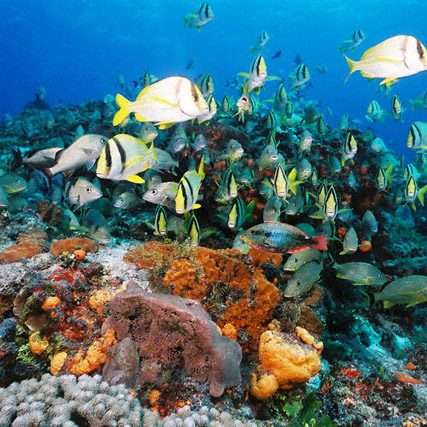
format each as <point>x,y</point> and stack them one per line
<point>166,102</point>
<point>396,57</point>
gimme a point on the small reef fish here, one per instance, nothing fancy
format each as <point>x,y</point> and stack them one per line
<point>166,102</point>
<point>272,209</point>
<point>374,113</point>
<point>12,183</point>
<point>160,221</point>
<point>126,200</point>
<point>419,103</point>
<point>269,157</point>
<point>123,158</point>
<point>148,133</point>
<point>412,192</point>
<point>95,225</point>
<point>350,243</point>
<point>42,159</point>
<point>353,43</point>
<point>417,136</point>
<point>280,98</point>
<point>305,142</point>
<point>257,75</point>
<point>261,42</point>
<point>360,273</point>
<point>205,84</point>
<point>237,214</point>
<point>193,230</point>
<point>409,290</point>
<point>277,54</point>
<point>83,192</point>
<point>199,19</point>
<point>163,161</point>
<point>301,76</point>
<point>244,105</point>
<point>394,58</point>
<point>330,206</point>
<point>228,187</point>
<point>349,148</point>
<point>83,152</point>
<point>281,238</point>
<point>383,178</point>
<point>369,222</point>
<point>303,279</point>
<point>233,151</point>
<point>199,143</point>
<point>297,260</point>
<point>304,169</point>
<point>162,193</point>
<point>396,109</point>
<point>188,190</point>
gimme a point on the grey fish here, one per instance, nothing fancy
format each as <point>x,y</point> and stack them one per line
<point>297,260</point>
<point>84,151</point>
<point>409,290</point>
<point>83,192</point>
<point>13,183</point>
<point>126,200</point>
<point>303,279</point>
<point>360,273</point>
<point>272,209</point>
<point>162,193</point>
<point>164,161</point>
<point>350,243</point>
<point>4,199</point>
<point>43,158</point>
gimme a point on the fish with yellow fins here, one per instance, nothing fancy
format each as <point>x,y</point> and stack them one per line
<point>123,158</point>
<point>394,58</point>
<point>166,102</point>
<point>199,19</point>
<point>188,190</point>
<point>257,75</point>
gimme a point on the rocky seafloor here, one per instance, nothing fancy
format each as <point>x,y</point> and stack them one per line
<point>142,331</point>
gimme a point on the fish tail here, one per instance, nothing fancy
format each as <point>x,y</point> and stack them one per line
<point>123,112</point>
<point>421,194</point>
<point>320,243</point>
<point>351,65</point>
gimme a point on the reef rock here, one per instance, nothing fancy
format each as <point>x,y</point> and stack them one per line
<point>173,334</point>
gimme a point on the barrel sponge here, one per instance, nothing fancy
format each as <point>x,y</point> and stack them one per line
<point>176,334</point>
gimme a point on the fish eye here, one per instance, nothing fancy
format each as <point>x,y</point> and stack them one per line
<point>88,189</point>
<point>153,192</point>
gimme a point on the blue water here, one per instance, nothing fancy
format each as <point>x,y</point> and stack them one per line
<point>77,48</point>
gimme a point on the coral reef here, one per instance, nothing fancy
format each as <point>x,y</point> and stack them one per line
<point>30,243</point>
<point>232,290</point>
<point>72,244</point>
<point>68,401</point>
<point>172,334</point>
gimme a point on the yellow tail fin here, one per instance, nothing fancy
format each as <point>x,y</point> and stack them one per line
<point>352,65</point>
<point>123,112</point>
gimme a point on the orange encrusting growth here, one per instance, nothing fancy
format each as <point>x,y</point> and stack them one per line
<point>95,356</point>
<point>73,244</point>
<point>230,287</point>
<point>29,244</point>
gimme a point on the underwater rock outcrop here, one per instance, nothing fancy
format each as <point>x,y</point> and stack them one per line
<point>176,335</point>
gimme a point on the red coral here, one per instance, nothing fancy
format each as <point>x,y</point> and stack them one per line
<point>29,244</point>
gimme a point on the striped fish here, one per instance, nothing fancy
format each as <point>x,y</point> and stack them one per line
<point>236,216</point>
<point>228,186</point>
<point>193,230</point>
<point>302,75</point>
<point>205,84</point>
<point>417,136</point>
<point>349,148</point>
<point>160,221</point>
<point>330,208</point>
<point>188,190</point>
<point>123,158</point>
<point>257,75</point>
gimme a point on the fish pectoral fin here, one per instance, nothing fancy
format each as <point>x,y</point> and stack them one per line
<point>273,78</point>
<point>196,206</point>
<point>245,75</point>
<point>389,81</point>
<point>135,179</point>
<point>388,304</point>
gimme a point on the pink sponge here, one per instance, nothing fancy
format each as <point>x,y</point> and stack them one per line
<point>175,334</point>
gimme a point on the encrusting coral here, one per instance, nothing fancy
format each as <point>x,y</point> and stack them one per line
<point>231,289</point>
<point>291,358</point>
<point>72,244</point>
<point>29,244</point>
